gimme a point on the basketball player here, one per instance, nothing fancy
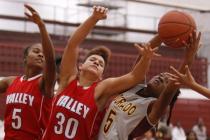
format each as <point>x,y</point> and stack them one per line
<point>82,95</point>
<point>188,80</point>
<point>137,110</point>
<point>28,96</point>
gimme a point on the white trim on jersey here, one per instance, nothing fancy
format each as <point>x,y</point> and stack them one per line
<point>40,113</point>
<point>150,123</point>
<point>30,79</point>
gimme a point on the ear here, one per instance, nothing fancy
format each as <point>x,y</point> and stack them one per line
<point>101,77</point>
<point>79,66</point>
<point>24,60</point>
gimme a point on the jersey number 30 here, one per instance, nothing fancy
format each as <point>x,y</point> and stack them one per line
<point>71,126</point>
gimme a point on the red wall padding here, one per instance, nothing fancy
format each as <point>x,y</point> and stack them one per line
<point>187,112</point>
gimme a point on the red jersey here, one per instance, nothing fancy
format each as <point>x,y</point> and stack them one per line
<point>26,110</point>
<point>75,115</point>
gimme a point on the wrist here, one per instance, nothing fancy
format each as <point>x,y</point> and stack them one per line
<point>94,18</point>
<point>193,85</point>
<point>41,24</point>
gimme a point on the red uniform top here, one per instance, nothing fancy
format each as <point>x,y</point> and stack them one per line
<point>26,110</point>
<point>75,115</point>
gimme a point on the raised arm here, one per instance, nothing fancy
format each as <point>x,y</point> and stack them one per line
<point>68,68</point>
<point>188,80</point>
<point>49,70</point>
<point>167,95</point>
<point>112,86</point>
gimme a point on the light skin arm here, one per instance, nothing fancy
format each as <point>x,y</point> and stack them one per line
<point>68,68</point>
<point>188,80</point>
<point>113,86</point>
<point>5,83</point>
<point>167,95</point>
<point>49,70</point>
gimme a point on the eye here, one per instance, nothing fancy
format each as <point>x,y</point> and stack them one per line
<point>101,64</point>
<point>36,50</point>
<point>92,59</point>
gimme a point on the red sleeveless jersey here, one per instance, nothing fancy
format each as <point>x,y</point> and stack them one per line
<point>75,115</point>
<point>27,110</point>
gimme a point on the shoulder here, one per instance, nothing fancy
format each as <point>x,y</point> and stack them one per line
<point>9,79</point>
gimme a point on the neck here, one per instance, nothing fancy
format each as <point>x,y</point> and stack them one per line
<point>142,92</point>
<point>145,92</point>
<point>31,73</point>
<point>86,79</point>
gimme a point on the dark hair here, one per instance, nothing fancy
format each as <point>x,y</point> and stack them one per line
<point>58,60</point>
<point>173,101</point>
<point>25,51</point>
<point>188,134</point>
<point>58,63</point>
<point>102,51</point>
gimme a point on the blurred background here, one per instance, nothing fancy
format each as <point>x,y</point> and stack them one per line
<point>128,22</point>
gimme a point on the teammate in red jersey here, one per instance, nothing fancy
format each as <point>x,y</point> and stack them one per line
<point>28,98</point>
<point>82,95</point>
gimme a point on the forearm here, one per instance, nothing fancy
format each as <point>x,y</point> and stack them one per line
<point>162,103</point>
<point>141,68</point>
<point>47,45</point>
<point>82,31</point>
<point>49,71</point>
<point>200,89</point>
<point>155,41</point>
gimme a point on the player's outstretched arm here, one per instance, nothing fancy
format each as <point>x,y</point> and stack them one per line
<point>112,86</point>
<point>49,70</point>
<point>188,80</point>
<point>68,69</point>
<point>167,95</point>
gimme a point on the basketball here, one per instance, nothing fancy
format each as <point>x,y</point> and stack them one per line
<point>175,27</point>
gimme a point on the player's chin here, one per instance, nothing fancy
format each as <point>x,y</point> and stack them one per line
<point>94,73</point>
<point>152,90</point>
<point>39,66</point>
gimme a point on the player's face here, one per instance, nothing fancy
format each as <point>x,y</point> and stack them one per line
<point>94,64</point>
<point>157,84</point>
<point>35,57</point>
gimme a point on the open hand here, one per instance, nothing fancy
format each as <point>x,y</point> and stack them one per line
<point>33,15</point>
<point>182,79</point>
<point>147,50</point>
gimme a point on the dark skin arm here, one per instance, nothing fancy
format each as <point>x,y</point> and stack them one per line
<point>167,95</point>
<point>49,70</point>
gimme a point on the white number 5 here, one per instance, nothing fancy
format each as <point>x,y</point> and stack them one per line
<point>16,119</point>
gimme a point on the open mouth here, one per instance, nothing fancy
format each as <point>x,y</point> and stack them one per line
<point>95,67</point>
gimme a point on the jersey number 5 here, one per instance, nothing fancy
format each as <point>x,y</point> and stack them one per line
<point>16,119</point>
<point>109,120</point>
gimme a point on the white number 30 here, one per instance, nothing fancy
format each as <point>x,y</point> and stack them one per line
<point>71,126</point>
